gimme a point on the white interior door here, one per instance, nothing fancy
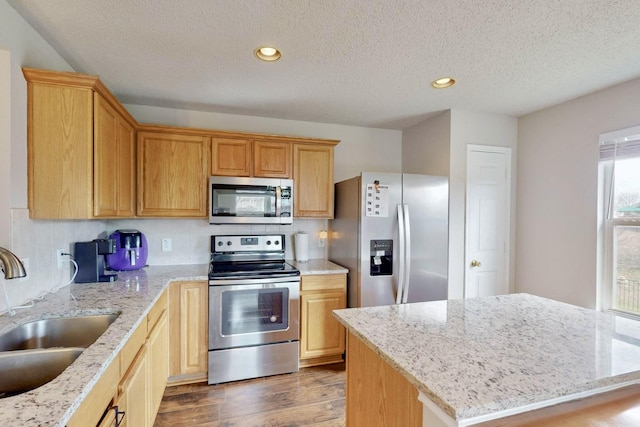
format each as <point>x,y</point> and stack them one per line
<point>487,220</point>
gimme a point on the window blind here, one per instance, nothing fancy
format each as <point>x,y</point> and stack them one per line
<point>620,144</point>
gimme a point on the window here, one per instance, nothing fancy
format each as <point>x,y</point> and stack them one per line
<point>620,212</point>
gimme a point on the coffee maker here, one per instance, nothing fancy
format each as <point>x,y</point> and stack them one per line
<point>90,257</point>
<point>131,250</point>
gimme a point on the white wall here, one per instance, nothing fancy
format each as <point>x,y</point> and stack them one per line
<point>469,127</point>
<point>426,147</point>
<point>439,146</point>
<point>557,192</point>
<point>5,148</point>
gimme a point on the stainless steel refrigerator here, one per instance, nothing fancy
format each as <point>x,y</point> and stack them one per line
<point>391,232</point>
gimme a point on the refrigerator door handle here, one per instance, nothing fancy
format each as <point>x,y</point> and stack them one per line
<point>407,254</point>
<point>401,235</point>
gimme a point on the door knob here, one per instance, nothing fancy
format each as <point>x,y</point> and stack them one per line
<point>475,263</point>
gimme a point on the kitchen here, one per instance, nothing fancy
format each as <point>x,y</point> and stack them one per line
<point>542,180</point>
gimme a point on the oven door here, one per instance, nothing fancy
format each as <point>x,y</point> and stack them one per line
<point>245,312</point>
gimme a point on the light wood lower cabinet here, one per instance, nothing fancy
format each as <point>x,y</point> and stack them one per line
<point>377,395</point>
<point>135,381</point>
<point>188,332</point>
<point>134,394</point>
<point>322,337</point>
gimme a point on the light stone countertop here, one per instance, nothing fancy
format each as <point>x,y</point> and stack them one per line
<point>133,294</point>
<point>480,356</point>
<point>318,266</point>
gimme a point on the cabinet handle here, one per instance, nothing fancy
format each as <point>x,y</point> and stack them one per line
<point>119,415</point>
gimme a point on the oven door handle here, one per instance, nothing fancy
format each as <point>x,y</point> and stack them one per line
<point>265,280</point>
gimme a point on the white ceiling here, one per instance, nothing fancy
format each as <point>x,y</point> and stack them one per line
<point>355,62</point>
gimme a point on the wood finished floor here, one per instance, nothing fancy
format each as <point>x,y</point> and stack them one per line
<point>311,397</point>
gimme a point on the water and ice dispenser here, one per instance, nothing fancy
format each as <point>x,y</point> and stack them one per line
<point>381,257</point>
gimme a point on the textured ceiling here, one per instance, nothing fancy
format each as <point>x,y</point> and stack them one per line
<point>355,62</point>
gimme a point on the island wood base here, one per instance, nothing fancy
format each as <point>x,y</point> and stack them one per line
<point>377,395</point>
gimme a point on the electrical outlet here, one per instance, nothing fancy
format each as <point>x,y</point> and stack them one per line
<point>166,245</point>
<point>322,242</point>
<point>60,258</point>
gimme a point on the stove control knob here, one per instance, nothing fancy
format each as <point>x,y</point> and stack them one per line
<point>268,242</point>
<point>276,243</point>
<point>228,242</point>
<point>220,243</point>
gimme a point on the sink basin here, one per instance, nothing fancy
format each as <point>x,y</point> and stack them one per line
<point>58,332</point>
<point>35,353</point>
<point>24,370</point>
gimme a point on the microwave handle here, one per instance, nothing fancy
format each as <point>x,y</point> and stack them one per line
<point>278,201</point>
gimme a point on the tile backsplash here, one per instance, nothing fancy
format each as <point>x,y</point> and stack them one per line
<point>36,242</point>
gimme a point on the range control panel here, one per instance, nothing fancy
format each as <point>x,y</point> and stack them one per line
<point>243,243</point>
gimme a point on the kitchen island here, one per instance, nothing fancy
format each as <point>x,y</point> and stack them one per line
<point>132,296</point>
<point>470,361</point>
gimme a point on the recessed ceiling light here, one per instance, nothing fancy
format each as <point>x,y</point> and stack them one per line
<point>267,53</point>
<point>443,83</point>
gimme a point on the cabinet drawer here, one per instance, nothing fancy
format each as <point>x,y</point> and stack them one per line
<point>323,282</point>
<point>156,311</point>
<point>98,399</point>
<point>132,347</point>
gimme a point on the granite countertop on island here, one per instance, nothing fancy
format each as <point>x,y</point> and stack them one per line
<point>133,294</point>
<point>481,356</point>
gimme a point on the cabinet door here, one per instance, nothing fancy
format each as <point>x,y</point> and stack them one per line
<point>272,159</point>
<point>377,395</point>
<point>172,175</point>
<point>230,157</point>
<point>134,395</point>
<point>60,152</point>
<point>313,181</point>
<point>158,355</point>
<point>321,334</point>
<point>126,169</point>
<point>188,331</point>
<point>114,162</point>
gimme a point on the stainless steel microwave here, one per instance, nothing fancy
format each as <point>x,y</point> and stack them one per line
<point>235,200</point>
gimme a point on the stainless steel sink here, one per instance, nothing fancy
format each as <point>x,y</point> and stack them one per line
<point>58,332</point>
<point>24,370</point>
<point>35,353</point>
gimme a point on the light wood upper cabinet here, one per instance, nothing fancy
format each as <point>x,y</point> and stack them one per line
<point>272,159</point>
<point>188,331</point>
<point>313,181</point>
<point>71,145</point>
<point>114,162</point>
<point>322,338</point>
<point>230,157</point>
<point>173,169</point>
<point>246,157</point>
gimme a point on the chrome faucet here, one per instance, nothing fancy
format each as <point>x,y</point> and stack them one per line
<point>11,265</point>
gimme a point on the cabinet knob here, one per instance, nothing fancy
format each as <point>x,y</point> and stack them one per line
<point>475,263</point>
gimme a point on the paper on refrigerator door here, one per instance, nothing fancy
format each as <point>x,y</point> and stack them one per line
<point>377,200</point>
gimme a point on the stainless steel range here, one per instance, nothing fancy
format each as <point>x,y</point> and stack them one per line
<point>253,308</point>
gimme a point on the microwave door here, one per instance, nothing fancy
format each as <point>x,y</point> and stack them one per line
<point>250,201</point>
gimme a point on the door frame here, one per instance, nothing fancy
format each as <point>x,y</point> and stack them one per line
<point>507,223</point>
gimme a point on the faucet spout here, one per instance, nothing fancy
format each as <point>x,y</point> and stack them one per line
<point>11,265</point>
